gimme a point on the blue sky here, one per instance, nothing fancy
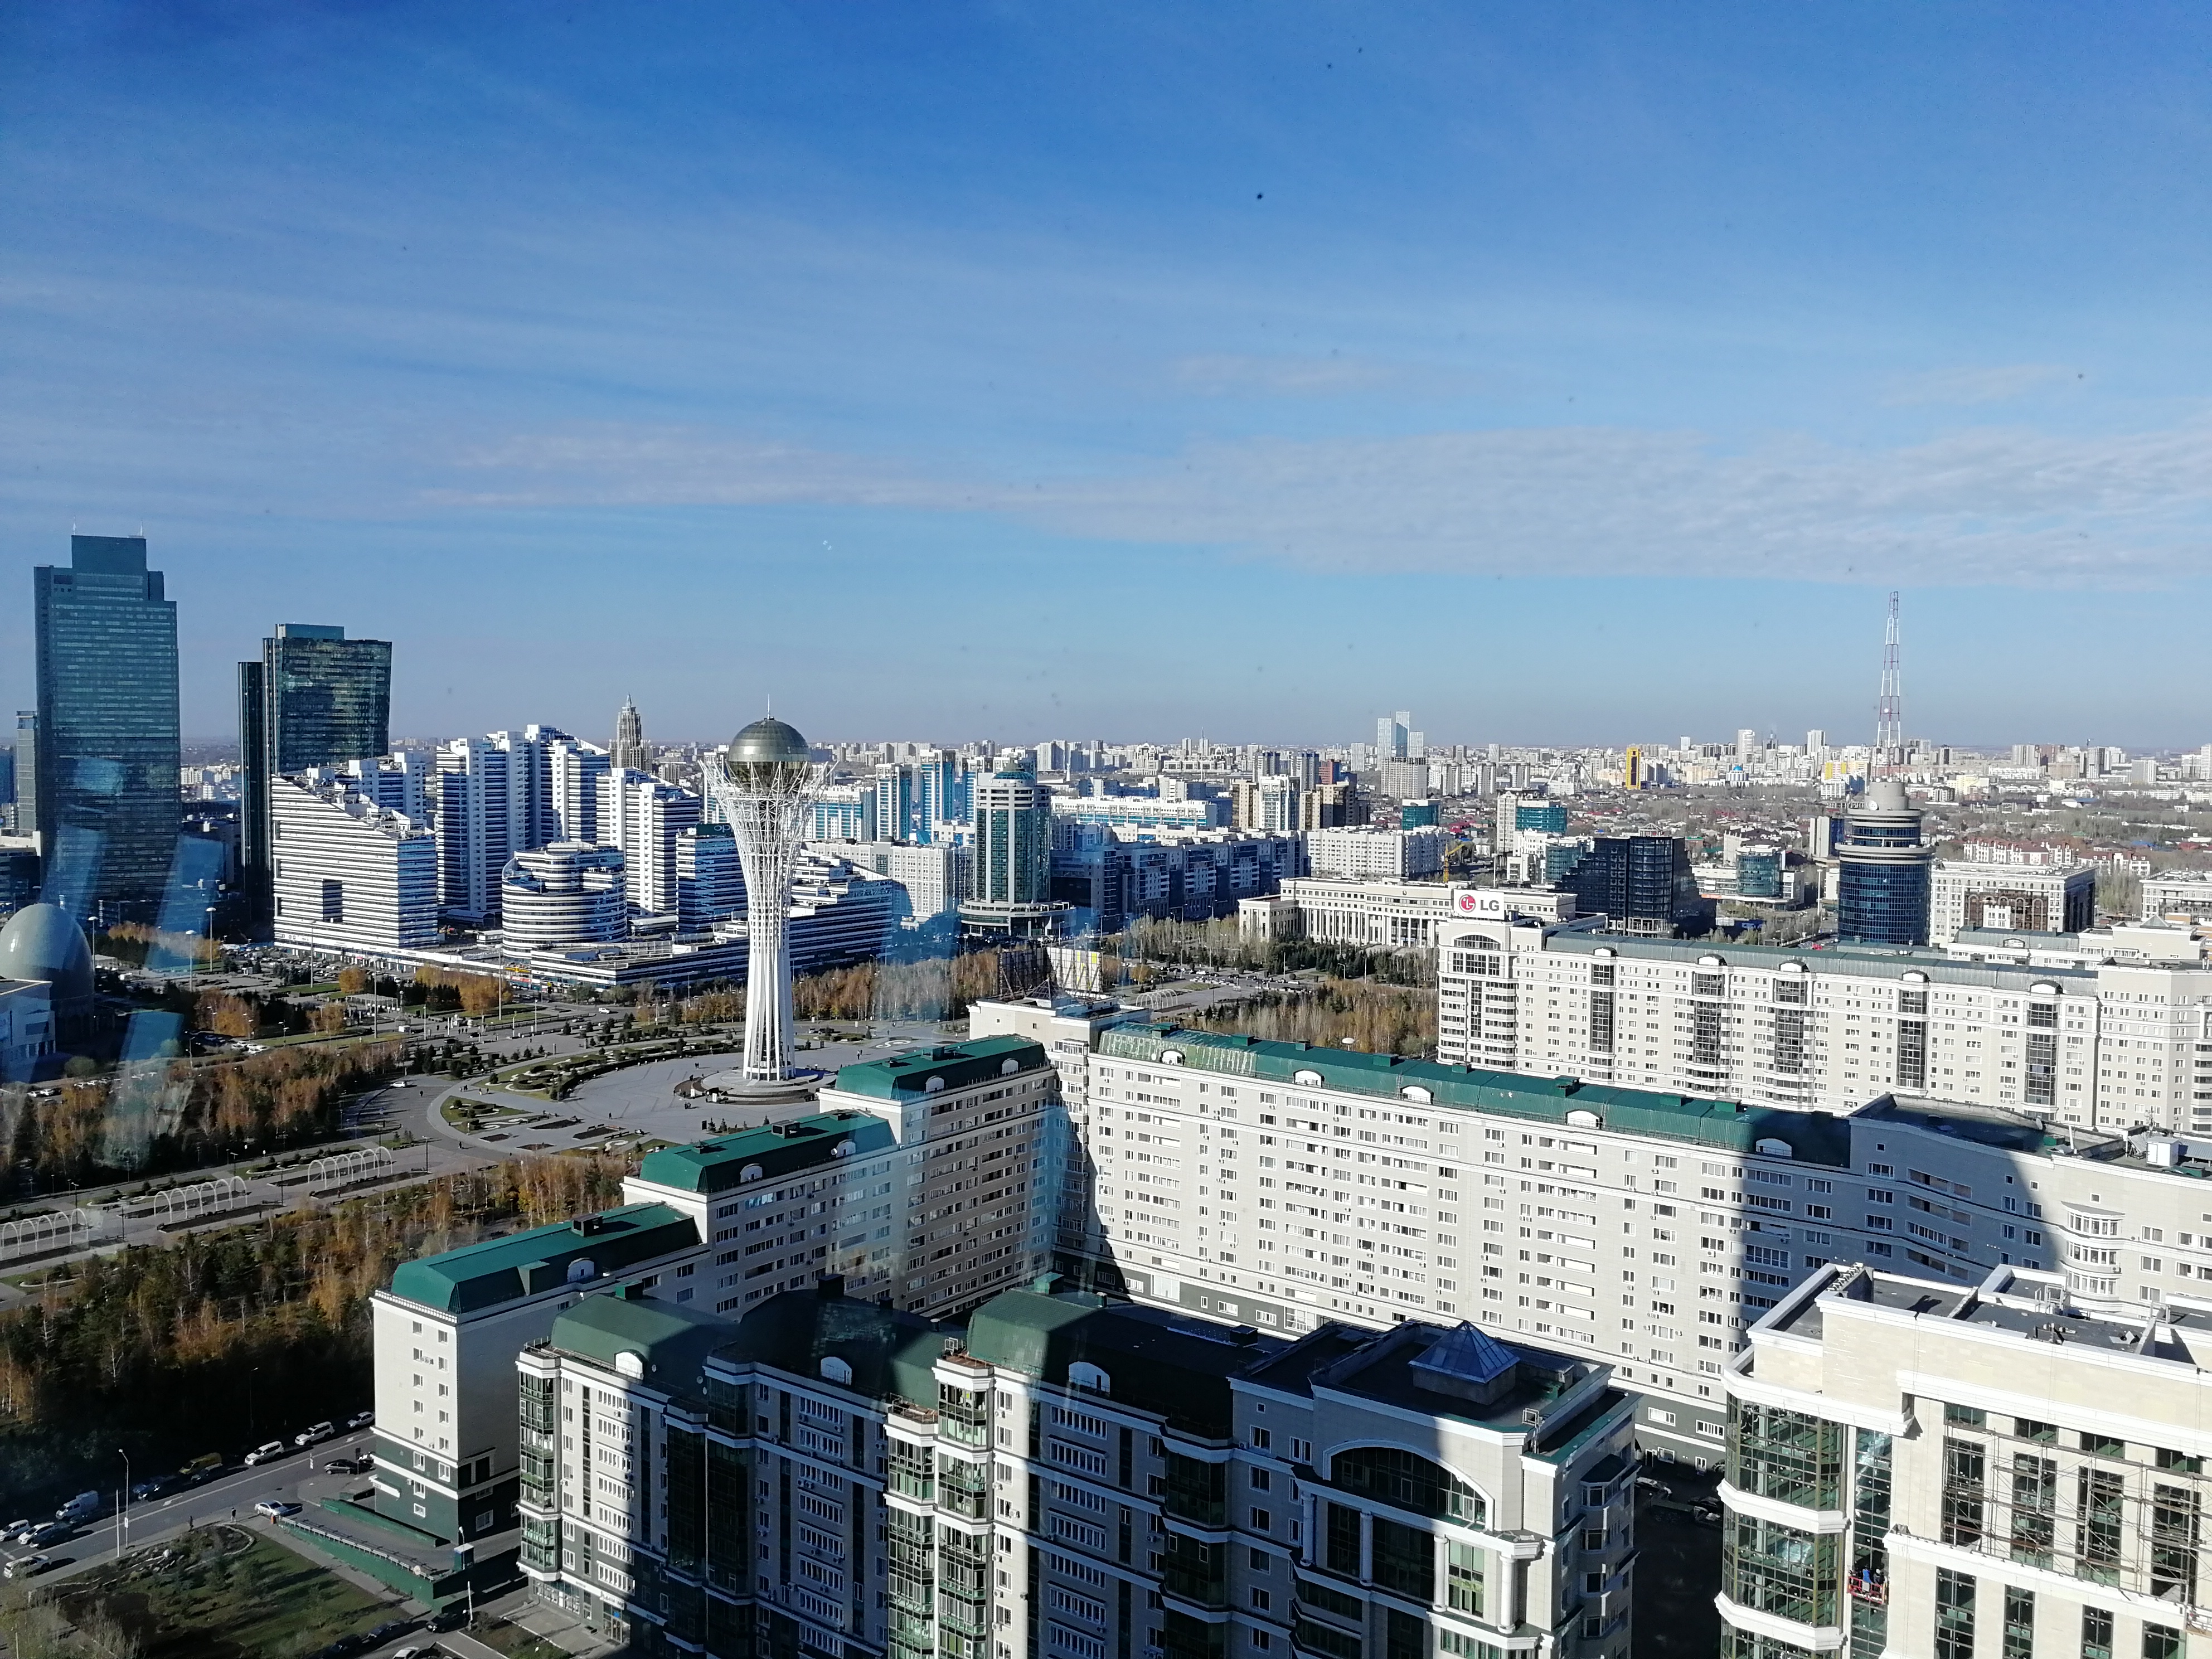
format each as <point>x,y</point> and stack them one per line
<point>1572,373</point>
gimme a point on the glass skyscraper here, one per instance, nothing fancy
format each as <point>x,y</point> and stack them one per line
<point>1882,881</point>
<point>316,698</point>
<point>104,792</point>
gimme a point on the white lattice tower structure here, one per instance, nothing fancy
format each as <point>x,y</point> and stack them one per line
<point>766,786</point>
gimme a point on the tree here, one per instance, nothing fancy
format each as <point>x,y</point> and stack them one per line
<point>353,980</point>
<point>480,994</point>
<point>329,1017</point>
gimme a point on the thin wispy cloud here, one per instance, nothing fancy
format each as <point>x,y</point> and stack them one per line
<point>1222,374</point>
<point>1966,387</point>
<point>1992,506</point>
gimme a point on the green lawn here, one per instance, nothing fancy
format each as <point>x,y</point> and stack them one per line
<point>226,1593</point>
<point>514,1641</point>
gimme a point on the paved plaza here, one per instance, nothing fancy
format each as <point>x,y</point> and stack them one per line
<point>640,1102</point>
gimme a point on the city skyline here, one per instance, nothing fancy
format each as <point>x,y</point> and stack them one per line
<point>1409,343</point>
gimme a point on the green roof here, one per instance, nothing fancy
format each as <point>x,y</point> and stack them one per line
<point>953,1065</point>
<point>1812,1138</point>
<point>671,1342</point>
<point>1175,1366</point>
<point>892,1353</point>
<point>499,1270</point>
<point>779,1149</point>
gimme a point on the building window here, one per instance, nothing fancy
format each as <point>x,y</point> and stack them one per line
<point>1955,1614</point>
<point>1784,1570</point>
<point>2019,1623</point>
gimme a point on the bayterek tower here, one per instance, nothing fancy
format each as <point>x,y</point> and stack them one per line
<point>765,785</point>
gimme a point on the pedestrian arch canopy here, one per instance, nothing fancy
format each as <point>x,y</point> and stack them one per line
<point>352,1169</point>
<point>201,1197</point>
<point>57,1230</point>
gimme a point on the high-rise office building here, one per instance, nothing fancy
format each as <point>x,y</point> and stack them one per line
<point>1882,890</point>
<point>1641,884</point>
<point>629,749</point>
<point>1394,736</point>
<point>315,698</point>
<point>105,785</point>
<point>1010,882</point>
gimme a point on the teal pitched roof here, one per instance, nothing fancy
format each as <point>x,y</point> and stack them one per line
<point>892,1353</point>
<point>1173,1364</point>
<point>1812,1138</point>
<point>670,1343</point>
<point>500,1270</point>
<point>777,1149</point>
<point>951,1065</point>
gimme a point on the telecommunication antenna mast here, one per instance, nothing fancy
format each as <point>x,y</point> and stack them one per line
<point>1889,712</point>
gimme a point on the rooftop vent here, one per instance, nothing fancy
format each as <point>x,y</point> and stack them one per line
<point>831,1286</point>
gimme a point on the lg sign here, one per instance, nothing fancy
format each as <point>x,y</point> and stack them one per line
<point>1479,902</point>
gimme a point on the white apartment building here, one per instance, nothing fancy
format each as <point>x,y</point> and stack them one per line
<point>2177,895</point>
<point>920,1179</point>
<point>479,822</point>
<point>348,874</point>
<point>1368,852</point>
<point>569,892</point>
<point>1063,1477</point>
<point>933,873</point>
<point>2116,1044</point>
<point>2009,898</point>
<point>1924,1468</point>
<point>1134,812</point>
<point>645,817</point>
<point>710,877</point>
<point>1282,1186</point>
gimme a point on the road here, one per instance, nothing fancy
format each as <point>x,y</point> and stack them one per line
<point>294,1477</point>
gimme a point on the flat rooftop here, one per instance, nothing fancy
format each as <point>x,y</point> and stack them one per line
<point>2028,1306</point>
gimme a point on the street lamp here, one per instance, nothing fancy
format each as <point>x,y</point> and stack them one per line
<point>122,1507</point>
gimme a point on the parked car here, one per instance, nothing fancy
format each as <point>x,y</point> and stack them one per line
<point>348,1466</point>
<point>9,1530</point>
<point>391,1627</point>
<point>263,1454</point>
<point>315,1434</point>
<point>361,1420</point>
<point>27,1566</point>
<point>275,1509</point>
<point>159,1486</point>
<point>51,1532</point>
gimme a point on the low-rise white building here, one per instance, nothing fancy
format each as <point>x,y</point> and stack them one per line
<point>349,874</point>
<point>26,1028</point>
<point>2009,898</point>
<point>1373,912</point>
<point>2177,895</point>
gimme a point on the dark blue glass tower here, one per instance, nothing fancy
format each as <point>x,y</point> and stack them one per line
<point>104,792</point>
<point>1882,886</point>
